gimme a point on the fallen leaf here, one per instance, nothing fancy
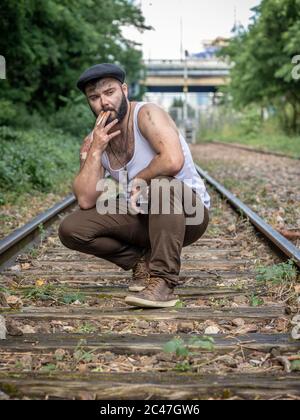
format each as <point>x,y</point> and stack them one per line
<point>25,266</point>
<point>14,302</point>
<point>291,235</point>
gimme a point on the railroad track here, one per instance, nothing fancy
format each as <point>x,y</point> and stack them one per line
<point>70,334</point>
<point>252,149</point>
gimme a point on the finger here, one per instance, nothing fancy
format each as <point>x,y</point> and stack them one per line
<point>100,118</point>
<point>135,197</point>
<point>109,126</point>
<point>134,206</point>
<point>114,134</point>
<point>105,118</point>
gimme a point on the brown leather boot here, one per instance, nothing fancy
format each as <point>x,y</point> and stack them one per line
<point>140,276</point>
<point>157,294</point>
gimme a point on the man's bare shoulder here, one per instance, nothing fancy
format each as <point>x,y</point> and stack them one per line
<point>152,115</point>
<point>150,109</point>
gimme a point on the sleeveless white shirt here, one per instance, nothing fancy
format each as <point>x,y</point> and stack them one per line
<point>144,154</point>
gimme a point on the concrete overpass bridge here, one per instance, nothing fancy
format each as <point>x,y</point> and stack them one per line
<point>191,75</point>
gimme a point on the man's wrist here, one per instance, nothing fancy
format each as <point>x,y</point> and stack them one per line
<point>96,150</point>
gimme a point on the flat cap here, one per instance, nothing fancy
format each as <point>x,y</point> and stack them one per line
<point>100,71</point>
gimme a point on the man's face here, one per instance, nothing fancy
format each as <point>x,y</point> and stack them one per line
<point>108,95</point>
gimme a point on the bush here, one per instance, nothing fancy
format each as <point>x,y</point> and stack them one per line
<point>36,159</point>
<point>75,117</point>
<point>8,112</point>
<point>251,122</point>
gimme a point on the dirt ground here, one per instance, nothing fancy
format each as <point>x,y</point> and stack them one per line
<point>268,184</point>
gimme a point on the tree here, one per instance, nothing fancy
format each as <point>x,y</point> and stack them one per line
<point>47,44</point>
<point>262,56</point>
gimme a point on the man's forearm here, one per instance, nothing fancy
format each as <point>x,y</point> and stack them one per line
<point>160,165</point>
<point>85,183</point>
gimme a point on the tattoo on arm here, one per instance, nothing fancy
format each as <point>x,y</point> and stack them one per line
<point>150,118</point>
<point>85,150</point>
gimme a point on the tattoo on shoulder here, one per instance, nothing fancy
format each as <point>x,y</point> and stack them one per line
<point>150,118</point>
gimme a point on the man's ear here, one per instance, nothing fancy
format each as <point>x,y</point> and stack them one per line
<point>125,89</point>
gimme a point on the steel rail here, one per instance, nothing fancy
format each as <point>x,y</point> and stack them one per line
<point>30,232</point>
<point>284,245</point>
<point>250,149</point>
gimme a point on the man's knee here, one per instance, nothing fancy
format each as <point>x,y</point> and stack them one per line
<point>166,191</point>
<point>66,232</point>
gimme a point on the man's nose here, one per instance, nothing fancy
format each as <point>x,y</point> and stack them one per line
<point>104,103</point>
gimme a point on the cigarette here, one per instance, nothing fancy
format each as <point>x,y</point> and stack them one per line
<point>101,119</point>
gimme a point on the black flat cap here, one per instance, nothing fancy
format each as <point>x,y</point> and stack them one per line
<point>100,71</point>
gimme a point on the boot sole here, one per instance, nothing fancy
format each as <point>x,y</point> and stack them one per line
<point>143,303</point>
<point>136,288</point>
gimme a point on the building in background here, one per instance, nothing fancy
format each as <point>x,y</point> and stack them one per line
<point>189,86</point>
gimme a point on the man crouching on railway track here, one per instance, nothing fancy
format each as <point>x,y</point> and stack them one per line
<point>165,206</point>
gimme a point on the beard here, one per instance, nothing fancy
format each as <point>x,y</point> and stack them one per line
<point>120,112</point>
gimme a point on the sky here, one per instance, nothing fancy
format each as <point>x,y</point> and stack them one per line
<point>201,20</point>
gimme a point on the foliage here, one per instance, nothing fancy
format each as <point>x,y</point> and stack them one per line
<point>48,44</point>
<point>230,126</point>
<point>81,354</point>
<point>49,292</point>
<point>262,56</point>
<point>35,159</point>
<point>256,301</point>
<point>278,273</point>
<point>180,348</point>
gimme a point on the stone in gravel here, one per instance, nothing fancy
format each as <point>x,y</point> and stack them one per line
<point>231,228</point>
<point>108,357</point>
<point>68,328</point>
<point>60,354</point>
<point>82,368</point>
<point>27,329</point>
<point>142,324</point>
<point>2,328</point>
<point>94,302</point>
<point>250,328</point>
<point>238,322</point>
<point>15,268</point>
<point>3,396</point>
<point>185,327</point>
<point>212,330</point>
<point>229,361</point>
<point>164,357</point>
<point>77,303</point>
<point>13,328</point>
<point>240,300</point>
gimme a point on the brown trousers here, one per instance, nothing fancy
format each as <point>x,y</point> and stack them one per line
<point>124,238</point>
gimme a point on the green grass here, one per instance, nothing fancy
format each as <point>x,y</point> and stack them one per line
<point>265,136</point>
<point>282,273</point>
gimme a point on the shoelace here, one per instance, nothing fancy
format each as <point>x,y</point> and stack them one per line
<point>152,283</point>
<point>139,268</point>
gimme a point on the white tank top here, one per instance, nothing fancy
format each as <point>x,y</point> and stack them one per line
<point>144,154</point>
